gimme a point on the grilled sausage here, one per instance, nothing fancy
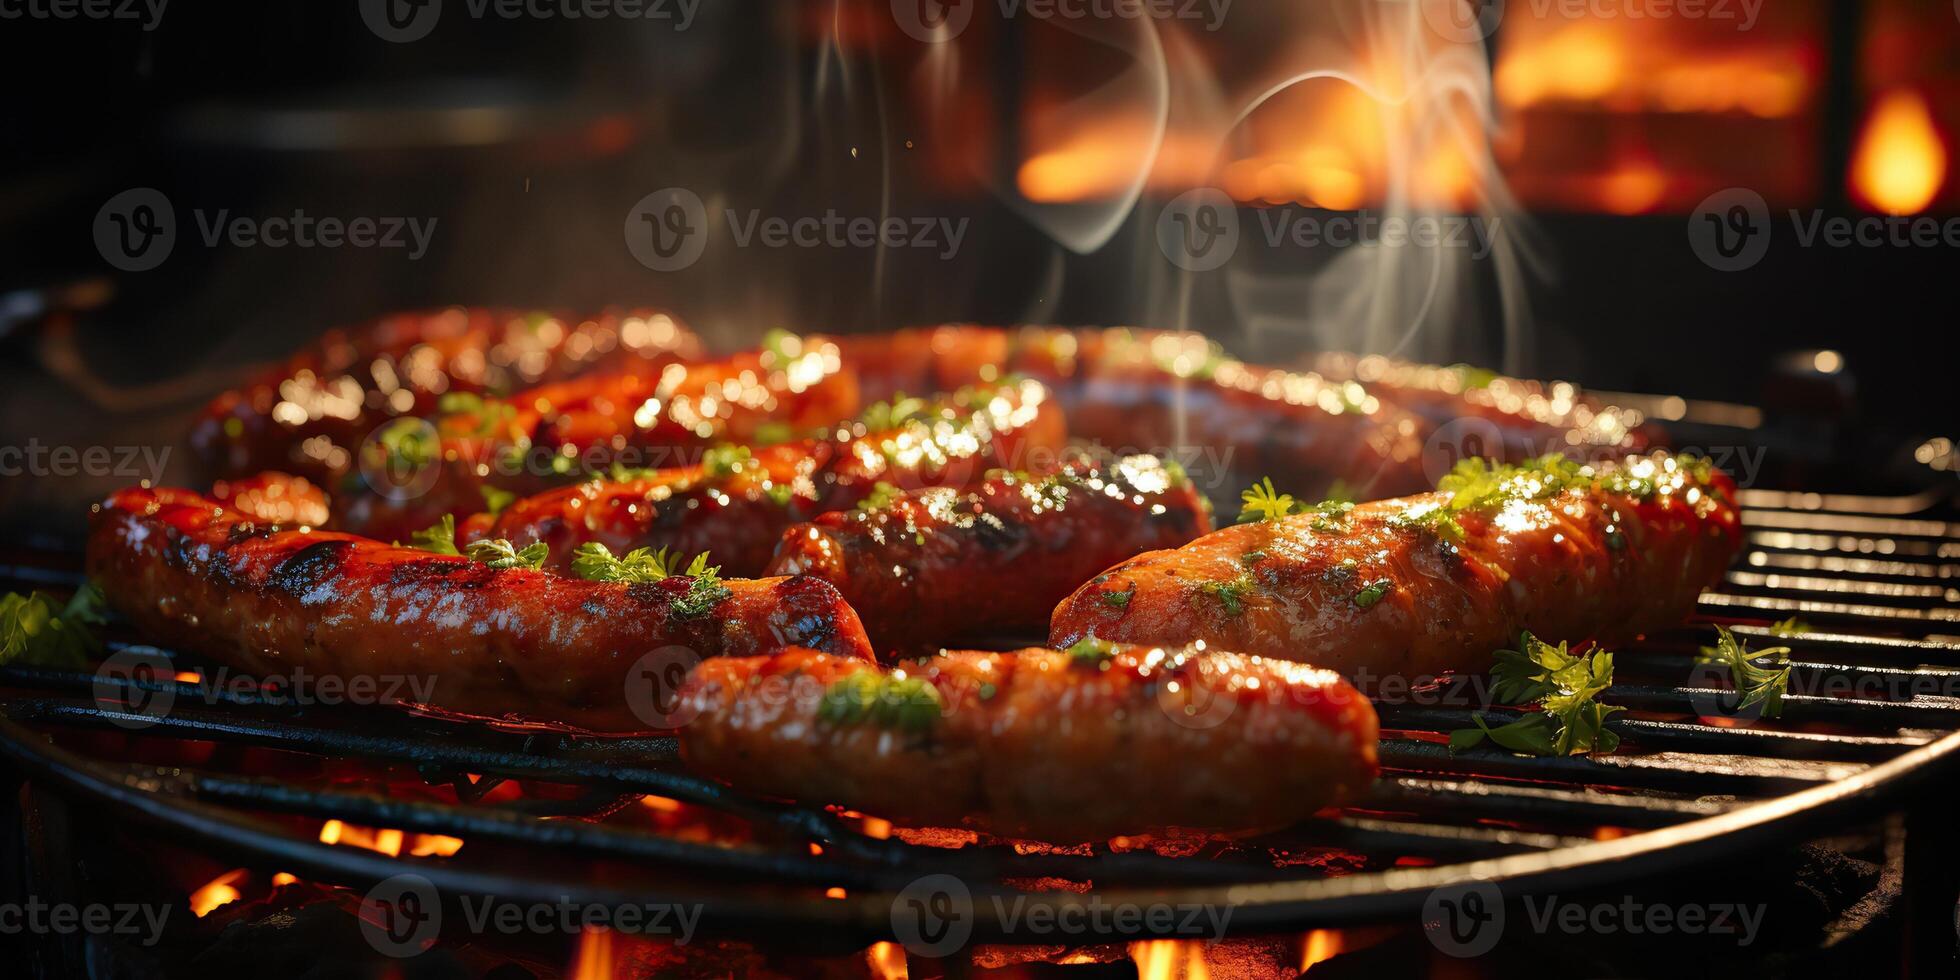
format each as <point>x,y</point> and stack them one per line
<point>1389,589</point>
<point>932,566</point>
<point>273,601</point>
<point>1061,746</point>
<point>550,435</point>
<point>309,414</point>
<point>737,504</point>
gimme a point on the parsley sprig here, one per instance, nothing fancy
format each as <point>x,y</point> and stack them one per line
<point>1565,685</point>
<point>1761,678</point>
<point>1263,503</point>
<point>35,632</point>
<point>596,562</point>
<point>440,538</point>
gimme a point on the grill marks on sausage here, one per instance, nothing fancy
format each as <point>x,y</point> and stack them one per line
<point>309,568</point>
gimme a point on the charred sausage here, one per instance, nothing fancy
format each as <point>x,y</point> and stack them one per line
<point>273,600</point>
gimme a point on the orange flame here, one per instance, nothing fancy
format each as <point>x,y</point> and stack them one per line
<point>1901,162</point>
<point>1320,946</point>
<point>888,962</point>
<point>594,959</point>
<point>216,892</point>
<point>1170,959</point>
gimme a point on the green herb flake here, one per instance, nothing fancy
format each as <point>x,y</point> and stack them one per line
<point>1090,652</point>
<point>1372,593</point>
<point>1230,595</point>
<point>439,537</point>
<point>1119,600</point>
<point>500,553</point>
<point>903,703</point>
<point>495,499</point>
<point>726,461</point>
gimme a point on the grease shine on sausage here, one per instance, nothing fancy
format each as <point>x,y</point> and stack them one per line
<point>1060,746</point>
<point>738,506</point>
<point>1381,592</point>
<point>937,565</point>
<point>272,600</point>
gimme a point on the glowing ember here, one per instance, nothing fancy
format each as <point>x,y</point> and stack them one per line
<point>1901,162</point>
<point>216,892</point>
<point>388,841</point>
<point>887,962</point>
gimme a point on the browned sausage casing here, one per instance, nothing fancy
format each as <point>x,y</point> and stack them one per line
<point>272,601</point>
<point>1043,743</point>
<point>933,566</point>
<point>1372,596</point>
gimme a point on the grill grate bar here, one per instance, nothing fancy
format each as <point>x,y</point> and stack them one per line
<point>1471,799</point>
<point>1738,775</point>
<point>1677,736</point>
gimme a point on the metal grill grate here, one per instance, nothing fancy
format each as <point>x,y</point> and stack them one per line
<point>1874,708</point>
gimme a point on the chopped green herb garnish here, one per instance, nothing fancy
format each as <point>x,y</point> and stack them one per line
<point>904,703</point>
<point>1372,593</point>
<point>1231,594</point>
<point>780,494</point>
<point>500,553</point>
<point>620,473</point>
<point>722,461</point>
<point>495,499</point>
<point>882,495</point>
<point>409,442</point>
<point>34,632</point>
<point>595,562</point>
<point>1090,651</point>
<point>1760,678</point>
<point>704,593</point>
<point>1119,600</point>
<point>773,432</point>
<point>439,537</point>
<point>1569,720</point>
<point>782,345</point>
<point>893,412</point>
<point>1252,558</point>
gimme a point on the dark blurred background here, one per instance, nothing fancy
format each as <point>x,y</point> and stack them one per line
<point>1590,140</point>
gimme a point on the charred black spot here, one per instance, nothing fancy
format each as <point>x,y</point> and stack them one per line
<point>248,530</point>
<point>309,567</point>
<point>995,534</point>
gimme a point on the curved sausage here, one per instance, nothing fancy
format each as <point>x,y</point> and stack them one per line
<point>937,565</point>
<point>1382,591</point>
<point>1063,746</point>
<point>309,414</point>
<point>272,601</point>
